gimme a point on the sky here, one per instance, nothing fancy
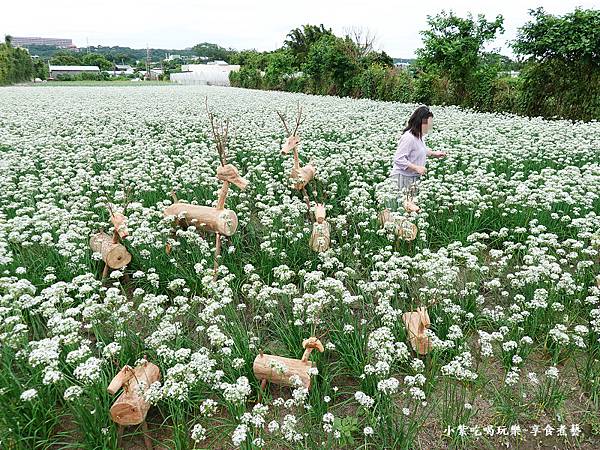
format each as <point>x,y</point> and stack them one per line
<point>261,25</point>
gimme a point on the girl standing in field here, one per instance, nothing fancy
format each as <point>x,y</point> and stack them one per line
<point>409,160</point>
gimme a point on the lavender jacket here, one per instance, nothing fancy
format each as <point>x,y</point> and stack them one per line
<point>410,149</point>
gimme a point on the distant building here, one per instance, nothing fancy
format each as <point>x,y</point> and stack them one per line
<point>208,74</point>
<point>218,63</point>
<point>71,70</point>
<point>402,65</point>
<point>124,68</point>
<point>172,57</point>
<point>55,42</point>
<point>120,69</point>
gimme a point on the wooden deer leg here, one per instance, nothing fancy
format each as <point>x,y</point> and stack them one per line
<point>168,246</point>
<point>217,253</point>
<point>105,271</point>
<point>306,199</point>
<point>127,285</point>
<point>263,386</point>
<point>147,440</point>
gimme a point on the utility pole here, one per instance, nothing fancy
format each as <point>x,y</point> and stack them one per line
<point>147,62</point>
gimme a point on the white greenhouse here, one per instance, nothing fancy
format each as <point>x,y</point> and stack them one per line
<point>207,74</point>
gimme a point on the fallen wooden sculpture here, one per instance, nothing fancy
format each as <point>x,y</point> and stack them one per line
<point>404,228</point>
<point>300,176</point>
<point>114,254</point>
<point>416,322</point>
<point>278,369</point>
<point>131,408</point>
<point>321,233</point>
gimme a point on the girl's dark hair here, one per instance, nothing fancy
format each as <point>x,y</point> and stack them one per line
<point>421,114</point>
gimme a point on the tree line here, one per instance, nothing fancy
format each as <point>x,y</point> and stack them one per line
<point>16,65</point>
<point>558,64</point>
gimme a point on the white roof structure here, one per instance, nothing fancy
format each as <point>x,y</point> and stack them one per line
<point>75,68</point>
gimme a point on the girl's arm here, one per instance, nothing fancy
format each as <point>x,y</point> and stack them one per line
<point>436,154</point>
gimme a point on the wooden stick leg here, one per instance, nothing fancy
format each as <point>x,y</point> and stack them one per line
<point>120,430</point>
<point>147,440</point>
<point>306,200</point>
<point>263,386</point>
<point>127,285</point>
<point>105,271</point>
<point>217,253</point>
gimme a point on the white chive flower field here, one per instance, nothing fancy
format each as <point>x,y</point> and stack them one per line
<point>506,260</point>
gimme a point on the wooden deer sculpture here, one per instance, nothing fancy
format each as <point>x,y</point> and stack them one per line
<point>300,176</point>
<point>278,369</point>
<point>416,322</point>
<point>403,227</point>
<point>219,220</point>
<point>321,232</point>
<point>130,408</point>
<point>114,254</point>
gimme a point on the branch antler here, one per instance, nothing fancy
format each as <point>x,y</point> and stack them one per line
<point>299,121</point>
<point>220,132</point>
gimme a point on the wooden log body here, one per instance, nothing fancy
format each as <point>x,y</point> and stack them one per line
<point>278,369</point>
<point>265,367</point>
<point>115,255</point>
<point>301,176</point>
<point>406,229</point>
<point>321,236</point>
<point>416,322</point>
<point>130,408</point>
<point>222,221</point>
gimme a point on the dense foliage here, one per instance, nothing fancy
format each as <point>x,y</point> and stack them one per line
<point>559,66</point>
<point>16,65</point>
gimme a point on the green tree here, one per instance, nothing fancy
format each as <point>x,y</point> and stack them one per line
<point>66,59</point>
<point>94,59</point>
<point>562,72</point>
<point>213,51</point>
<point>300,40</point>
<point>279,70</point>
<point>16,65</point>
<point>40,69</point>
<point>329,66</point>
<point>453,56</point>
